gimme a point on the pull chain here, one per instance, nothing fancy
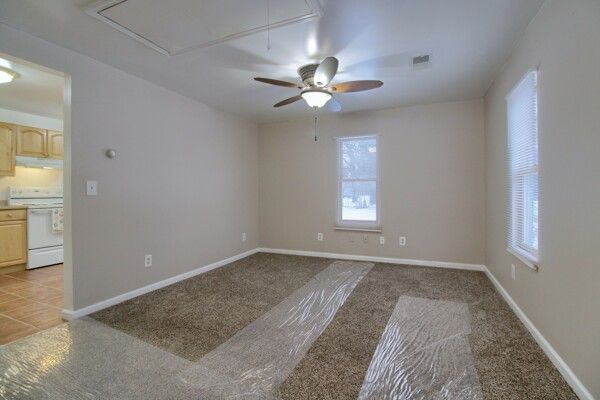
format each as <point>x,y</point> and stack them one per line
<point>316,138</point>
<point>268,24</point>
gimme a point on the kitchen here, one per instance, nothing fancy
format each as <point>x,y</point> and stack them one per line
<point>31,198</point>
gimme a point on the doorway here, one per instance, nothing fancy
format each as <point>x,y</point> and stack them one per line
<point>35,270</point>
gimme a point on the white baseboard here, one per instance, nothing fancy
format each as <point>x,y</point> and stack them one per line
<point>556,359</point>
<point>387,260</point>
<point>70,315</point>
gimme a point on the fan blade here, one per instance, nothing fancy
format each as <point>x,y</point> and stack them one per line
<point>333,105</point>
<point>326,71</point>
<point>288,101</point>
<point>356,86</point>
<point>278,83</point>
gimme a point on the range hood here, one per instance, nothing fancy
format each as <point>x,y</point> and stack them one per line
<point>34,162</point>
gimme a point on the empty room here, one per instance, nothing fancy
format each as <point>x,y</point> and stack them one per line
<point>299,199</point>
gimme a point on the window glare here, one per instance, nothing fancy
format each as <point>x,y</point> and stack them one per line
<point>359,201</point>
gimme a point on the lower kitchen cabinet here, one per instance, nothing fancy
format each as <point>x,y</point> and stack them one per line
<point>13,240</point>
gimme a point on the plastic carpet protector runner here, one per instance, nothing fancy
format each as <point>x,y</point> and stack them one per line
<point>424,353</point>
<point>257,359</point>
<point>85,359</point>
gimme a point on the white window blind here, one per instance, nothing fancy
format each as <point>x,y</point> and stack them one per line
<point>523,170</point>
<point>358,182</point>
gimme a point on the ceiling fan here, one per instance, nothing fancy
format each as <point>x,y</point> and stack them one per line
<point>316,89</point>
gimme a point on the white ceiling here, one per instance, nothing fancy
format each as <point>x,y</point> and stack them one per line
<point>469,41</point>
<point>36,91</point>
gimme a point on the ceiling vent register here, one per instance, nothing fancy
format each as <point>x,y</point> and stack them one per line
<point>421,61</point>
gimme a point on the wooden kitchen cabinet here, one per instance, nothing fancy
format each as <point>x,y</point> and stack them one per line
<point>13,239</point>
<point>31,142</point>
<point>35,142</point>
<point>8,147</point>
<point>55,144</point>
<point>26,141</point>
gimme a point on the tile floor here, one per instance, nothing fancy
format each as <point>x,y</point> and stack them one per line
<point>30,301</point>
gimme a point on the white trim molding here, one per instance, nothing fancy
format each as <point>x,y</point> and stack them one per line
<point>387,260</point>
<point>70,315</point>
<point>580,390</point>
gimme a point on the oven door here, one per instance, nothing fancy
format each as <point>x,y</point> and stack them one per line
<point>39,229</point>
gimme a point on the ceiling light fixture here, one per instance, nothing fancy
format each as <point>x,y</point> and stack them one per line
<point>316,98</point>
<point>7,75</point>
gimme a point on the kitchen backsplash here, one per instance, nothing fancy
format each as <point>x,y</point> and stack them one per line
<point>31,177</point>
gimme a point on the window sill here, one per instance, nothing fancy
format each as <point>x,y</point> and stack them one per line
<point>524,259</point>
<point>357,229</point>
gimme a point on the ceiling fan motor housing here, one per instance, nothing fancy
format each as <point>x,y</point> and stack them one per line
<point>307,73</point>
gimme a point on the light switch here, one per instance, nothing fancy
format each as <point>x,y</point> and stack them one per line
<point>91,188</point>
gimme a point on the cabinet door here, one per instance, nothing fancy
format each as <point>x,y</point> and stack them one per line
<point>31,142</point>
<point>13,243</point>
<point>55,145</point>
<point>7,149</point>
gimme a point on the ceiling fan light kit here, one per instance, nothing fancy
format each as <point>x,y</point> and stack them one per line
<point>317,90</point>
<point>7,75</point>
<point>315,97</point>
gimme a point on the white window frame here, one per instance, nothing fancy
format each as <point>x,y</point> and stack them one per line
<point>516,228</point>
<point>368,226</point>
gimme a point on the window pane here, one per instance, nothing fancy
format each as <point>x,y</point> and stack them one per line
<point>359,201</point>
<point>359,158</point>
<point>530,211</point>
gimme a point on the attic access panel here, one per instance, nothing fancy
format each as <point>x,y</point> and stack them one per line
<point>178,26</point>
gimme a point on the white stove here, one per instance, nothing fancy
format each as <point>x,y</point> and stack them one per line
<point>45,242</point>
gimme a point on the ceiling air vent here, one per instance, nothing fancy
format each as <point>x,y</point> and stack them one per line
<point>422,61</point>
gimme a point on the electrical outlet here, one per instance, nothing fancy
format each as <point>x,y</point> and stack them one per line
<point>513,272</point>
<point>320,237</point>
<point>381,240</point>
<point>148,260</point>
<point>243,236</point>
<point>402,241</point>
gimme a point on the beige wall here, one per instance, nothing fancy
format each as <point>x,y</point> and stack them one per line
<point>563,298</point>
<point>432,177</point>
<point>183,186</point>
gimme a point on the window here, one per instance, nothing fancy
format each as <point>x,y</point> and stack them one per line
<point>358,182</point>
<point>523,170</point>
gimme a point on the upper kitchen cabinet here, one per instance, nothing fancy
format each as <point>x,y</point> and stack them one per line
<point>55,143</point>
<point>7,149</point>
<point>31,142</point>
<point>35,142</point>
